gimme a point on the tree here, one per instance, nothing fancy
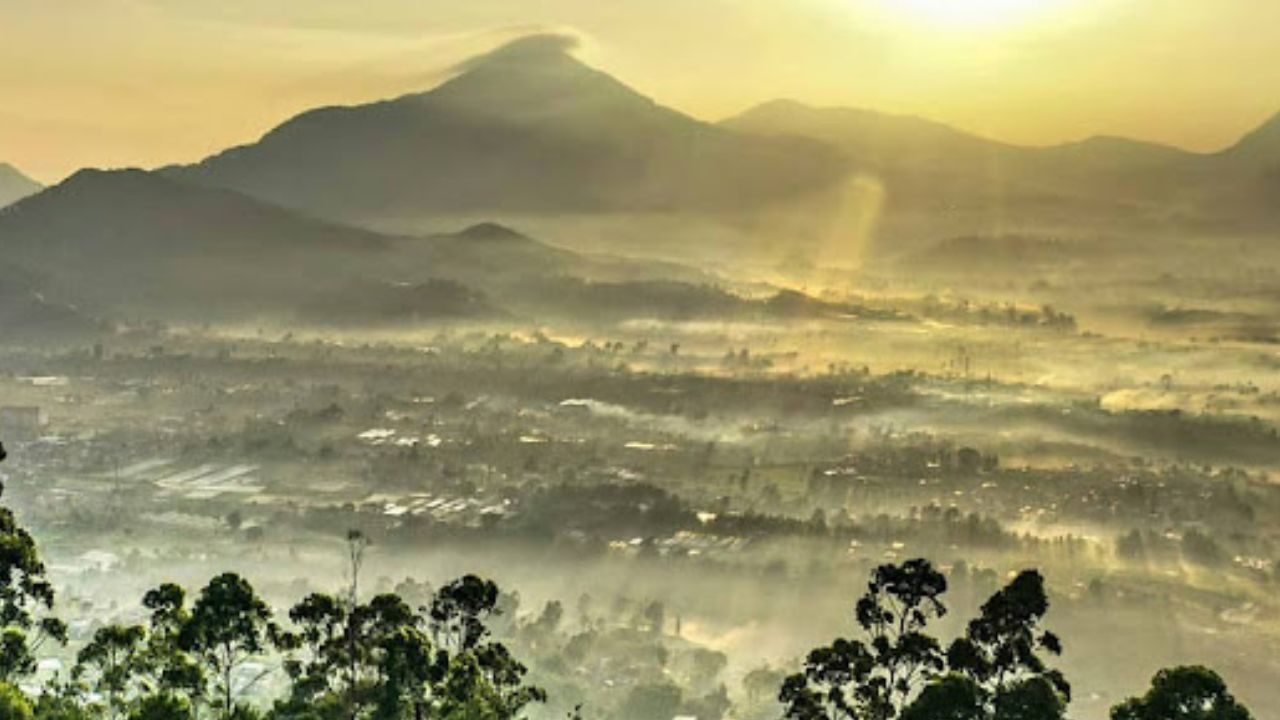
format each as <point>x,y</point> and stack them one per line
<point>899,602</point>
<point>26,598</point>
<point>16,658</point>
<point>61,700</point>
<point>762,682</point>
<point>113,660</point>
<point>1038,697</point>
<point>712,706</point>
<point>229,625</point>
<point>548,621</point>
<point>874,680</point>
<point>459,610</point>
<point>318,648</point>
<point>13,704</point>
<point>951,697</point>
<point>357,544</point>
<point>395,648</point>
<point>473,677</point>
<point>836,683</point>
<point>163,706</point>
<point>398,664</point>
<point>1000,653</point>
<point>174,672</point>
<point>485,682</point>
<point>1183,693</point>
<point>655,616</point>
<point>646,702</point>
<point>25,595</point>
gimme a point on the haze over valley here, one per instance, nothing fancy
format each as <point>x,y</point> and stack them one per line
<point>679,387</point>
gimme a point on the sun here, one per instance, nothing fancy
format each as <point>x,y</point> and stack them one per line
<point>972,13</point>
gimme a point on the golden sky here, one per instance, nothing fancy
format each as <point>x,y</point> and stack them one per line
<point>146,82</point>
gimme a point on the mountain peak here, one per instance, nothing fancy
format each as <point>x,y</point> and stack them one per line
<point>532,78</point>
<point>527,127</point>
<point>491,232</point>
<point>14,185</point>
<point>8,170</point>
<point>119,184</point>
<point>1112,148</point>
<point>542,48</point>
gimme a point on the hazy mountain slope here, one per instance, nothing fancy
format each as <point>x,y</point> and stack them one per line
<point>1104,184</point>
<point>524,129</point>
<point>1246,175</point>
<point>109,211</point>
<point>491,255</point>
<point>921,159</point>
<point>132,241</point>
<point>879,141</point>
<point>1259,148</point>
<point>25,312</point>
<point>135,244</point>
<point>14,185</point>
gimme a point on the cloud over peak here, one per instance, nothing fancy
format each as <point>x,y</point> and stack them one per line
<point>534,48</point>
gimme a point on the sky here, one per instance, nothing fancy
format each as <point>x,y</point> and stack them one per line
<point>111,83</point>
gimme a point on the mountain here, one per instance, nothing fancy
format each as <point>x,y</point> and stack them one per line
<point>930,170</point>
<point>1260,148</point>
<point>130,243</point>
<point>1255,164</point>
<point>926,161</point>
<point>26,314</point>
<point>527,128</point>
<point>14,185</point>
<point>134,241</point>
<point>877,140</point>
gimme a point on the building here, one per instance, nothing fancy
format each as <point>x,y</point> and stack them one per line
<point>20,423</point>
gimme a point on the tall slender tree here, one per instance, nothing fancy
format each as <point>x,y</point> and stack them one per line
<point>875,677</point>
<point>229,626</point>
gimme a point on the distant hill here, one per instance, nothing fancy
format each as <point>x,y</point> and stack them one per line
<point>930,169</point>
<point>493,255</point>
<point>133,241</point>
<point>14,185</point>
<point>525,129</point>
<point>134,244</point>
<point>106,212</point>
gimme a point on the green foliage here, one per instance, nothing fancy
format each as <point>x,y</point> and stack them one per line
<point>951,697</point>
<point>16,658</point>
<point>459,611</point>
<point>1183,693</point>
<point>228,626</point>
<point>396,651</point>
<point>165,706</point>
<point>873,680</point>
<point>997,671</point>
<point>13,704</point>
<point>318,648</point>
<point>113,659</point>
<point>1034,698</point>
<point>25,599</point>
<point>1001,653</point>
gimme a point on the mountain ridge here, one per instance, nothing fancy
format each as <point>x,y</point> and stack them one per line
<point>15,185</point>
<point>1115,182</point>
<point>525,128</point>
